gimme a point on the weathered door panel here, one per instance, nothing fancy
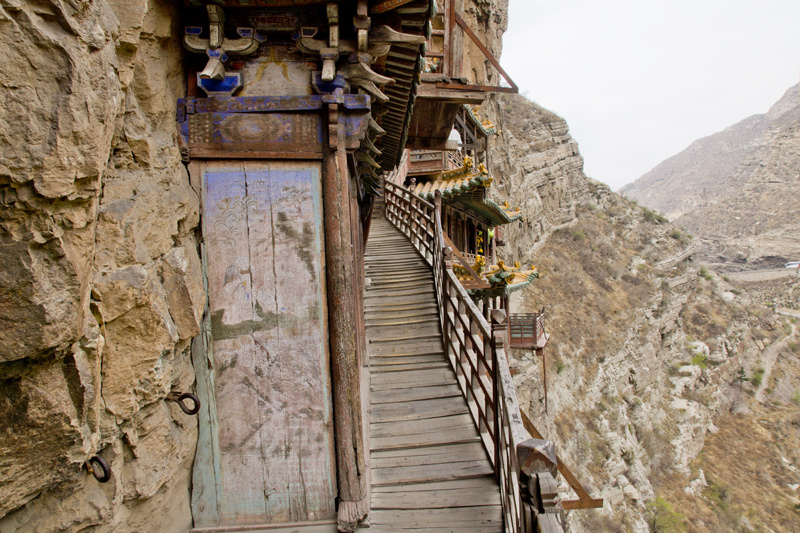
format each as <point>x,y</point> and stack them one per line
<point>271,434</point>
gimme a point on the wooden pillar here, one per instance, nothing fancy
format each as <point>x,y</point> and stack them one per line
<point>448,30</point>
<point>358,260</point>
<point>507,308</point>
<point>464,235</point>
<point>492,260</point>
<point>343,327</point>
<point>450,223</point>
<point>456,40</point>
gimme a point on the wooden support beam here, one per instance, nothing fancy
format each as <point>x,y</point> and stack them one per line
<point>470,87</point>
<point>343,327</point>
<point>584,501</point>
<point>478,282</point>
<point>486,52</point>
<point>431,143</point>
<point>451,93</point>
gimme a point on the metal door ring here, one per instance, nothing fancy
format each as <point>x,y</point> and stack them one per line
<point>99,468</point>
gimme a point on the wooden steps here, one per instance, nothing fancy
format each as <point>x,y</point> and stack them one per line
<point>429,471</point>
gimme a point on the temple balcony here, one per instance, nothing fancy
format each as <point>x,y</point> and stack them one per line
<point>527,331</point>
<point>445,79</point>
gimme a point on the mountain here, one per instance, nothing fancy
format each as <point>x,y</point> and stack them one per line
<point>737,190</point>
<point>710,168</point>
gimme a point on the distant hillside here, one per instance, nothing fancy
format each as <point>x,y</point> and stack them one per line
<point>737,190</point>
<point>709,169</point>
<point>654,362</point>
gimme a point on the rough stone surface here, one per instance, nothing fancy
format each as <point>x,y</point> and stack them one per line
<point>648,352</point>
<point>537,167</point>
<point>711,168</point>
<point>101,286</point>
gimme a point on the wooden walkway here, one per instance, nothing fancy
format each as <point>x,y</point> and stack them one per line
<point>430,471</point>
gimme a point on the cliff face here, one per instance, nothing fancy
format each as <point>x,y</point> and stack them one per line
<point>651,360</point>
<point>757,224</point>
<point>100,279</point>
<point>537,166</point>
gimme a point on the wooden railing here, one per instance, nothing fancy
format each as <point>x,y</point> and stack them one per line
<point>527,330</point>
<point>476,351</point>
<point>417,217</point>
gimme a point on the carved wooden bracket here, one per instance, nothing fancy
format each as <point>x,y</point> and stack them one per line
<point>217,44</point>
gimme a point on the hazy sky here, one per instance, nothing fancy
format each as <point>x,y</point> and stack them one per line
<point>639,80</point>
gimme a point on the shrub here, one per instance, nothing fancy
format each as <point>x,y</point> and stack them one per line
<point>705,274</point>
<point>700,360</point>
<point>663,518</point>
<point>651,216</point>
<point>718,494</point>
<point>629,457</point>
<point>757,377</point>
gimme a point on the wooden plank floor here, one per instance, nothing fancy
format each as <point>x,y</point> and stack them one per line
<point>429,469</point>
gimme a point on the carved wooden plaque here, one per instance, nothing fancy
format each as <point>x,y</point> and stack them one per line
<point>269,455</point>
<point>222,134</point>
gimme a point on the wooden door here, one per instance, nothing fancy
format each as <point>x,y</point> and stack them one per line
<point>265,452</point>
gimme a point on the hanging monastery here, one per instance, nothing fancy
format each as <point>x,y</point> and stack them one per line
<point>350,365</point>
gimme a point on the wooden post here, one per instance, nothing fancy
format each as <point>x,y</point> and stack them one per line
<point>447,262</point>
<point>437,221</point>
<point>506,305</point>
<point>343,327</point>
<point>499,318</point>
<point>449,23</point>
<point>460,318</point>
<point>357,238</point>
<point>456,40</point>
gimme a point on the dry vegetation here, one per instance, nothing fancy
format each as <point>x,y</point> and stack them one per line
<point>593,283</point>
<point>599,278</point>
<point>748,467</point>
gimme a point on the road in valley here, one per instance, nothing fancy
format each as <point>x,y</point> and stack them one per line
<point>762,275</point>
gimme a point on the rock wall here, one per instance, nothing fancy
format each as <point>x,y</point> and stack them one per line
<point>536,165</point>
<point>736,190</point>
<point>101,286</point>
<point>712,168</point>
<point>756,226</point>
<point>641,361</point>
<point>649,356</point>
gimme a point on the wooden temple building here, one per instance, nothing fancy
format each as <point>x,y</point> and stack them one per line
<point>352,370</point>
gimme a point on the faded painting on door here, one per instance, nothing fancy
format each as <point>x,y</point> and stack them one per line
<point>270,458</point>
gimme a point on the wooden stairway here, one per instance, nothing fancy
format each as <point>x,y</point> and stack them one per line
<point>429,469</point>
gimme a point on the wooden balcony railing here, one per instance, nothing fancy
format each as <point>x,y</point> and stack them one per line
<point>527,330</point>
<point>476,351</point>
<point>422,162</point>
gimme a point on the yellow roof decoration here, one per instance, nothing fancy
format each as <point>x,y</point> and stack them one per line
<point>499,276</point>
